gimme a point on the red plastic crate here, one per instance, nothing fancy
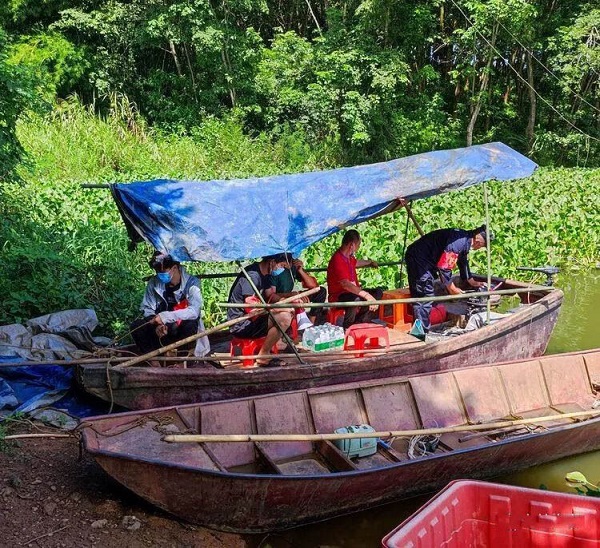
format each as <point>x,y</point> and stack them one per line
<point>477,513</point>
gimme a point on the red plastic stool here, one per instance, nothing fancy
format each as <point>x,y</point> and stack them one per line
<point>334,313</point>
<point>362,332</point>
<point>248,347</point>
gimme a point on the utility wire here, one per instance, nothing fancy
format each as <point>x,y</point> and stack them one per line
<point>546,68</point>
<point>521,77</point>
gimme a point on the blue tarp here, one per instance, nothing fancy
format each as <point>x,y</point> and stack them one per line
<point>248,218</point>
<point>26,388</point>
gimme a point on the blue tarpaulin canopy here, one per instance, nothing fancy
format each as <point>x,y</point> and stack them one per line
<point>227,220</point>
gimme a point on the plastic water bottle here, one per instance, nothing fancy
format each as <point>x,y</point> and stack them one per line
<point>308,338</point>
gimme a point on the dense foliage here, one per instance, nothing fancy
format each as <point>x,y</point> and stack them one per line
<point>372,79</point>
<point>64,246</point>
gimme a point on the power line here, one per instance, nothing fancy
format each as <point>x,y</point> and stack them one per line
<point>530,52</point>
<point>521,77</point>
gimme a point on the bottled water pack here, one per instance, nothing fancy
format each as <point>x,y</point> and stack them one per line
<point>323,337</point>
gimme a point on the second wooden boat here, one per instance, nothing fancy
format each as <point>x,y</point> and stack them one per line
<point>257,486</point>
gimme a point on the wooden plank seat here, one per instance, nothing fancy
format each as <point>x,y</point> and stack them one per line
<point>392,407</point>
<point>278,414</point>
<point>379,406</point>
<point>230,417</point>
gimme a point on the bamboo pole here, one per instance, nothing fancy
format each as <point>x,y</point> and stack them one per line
<point>316,269</point>
<point>234,438</point>
<point>24,436</point>
<point>439,298</point>
<point>413,219</point>
<point>324,354</point>
<point>207,332</point>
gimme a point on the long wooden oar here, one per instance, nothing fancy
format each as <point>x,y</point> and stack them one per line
<point>210,331</point>
<point>227,438</point>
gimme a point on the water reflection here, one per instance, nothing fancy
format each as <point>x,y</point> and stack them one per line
<point>576,329</point>
<point>577,326</point>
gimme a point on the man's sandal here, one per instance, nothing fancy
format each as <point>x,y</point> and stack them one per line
<point>273,362</point>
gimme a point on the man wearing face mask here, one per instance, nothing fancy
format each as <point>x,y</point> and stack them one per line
<point>261,273</point>
<point>343,284</point>
<point>292,273</point>
<point>171,307</point>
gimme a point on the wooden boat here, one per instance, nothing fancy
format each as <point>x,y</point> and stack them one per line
<point>262,486</point>
<point>479,513</point>
<point>522,334</point>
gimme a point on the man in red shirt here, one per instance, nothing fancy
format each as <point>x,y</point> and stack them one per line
<point>343,284</point>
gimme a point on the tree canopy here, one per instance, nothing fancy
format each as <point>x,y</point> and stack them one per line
<point>370,79</point>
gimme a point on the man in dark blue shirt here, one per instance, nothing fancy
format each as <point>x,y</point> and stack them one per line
<point>438,253</point>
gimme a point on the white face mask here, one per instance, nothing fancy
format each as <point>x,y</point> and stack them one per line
<point>277,271</point>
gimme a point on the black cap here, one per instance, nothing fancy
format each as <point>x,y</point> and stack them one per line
<point>161,261</point>
<point>280,257</point>
<point>482,230</point>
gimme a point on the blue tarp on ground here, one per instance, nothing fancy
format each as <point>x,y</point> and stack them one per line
<point>25,388</point>
<point>248,218</point>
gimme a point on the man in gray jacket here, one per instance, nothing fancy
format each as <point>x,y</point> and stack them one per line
<point>171,307</point>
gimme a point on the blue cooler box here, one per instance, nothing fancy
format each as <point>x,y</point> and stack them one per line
<point>357,447</point>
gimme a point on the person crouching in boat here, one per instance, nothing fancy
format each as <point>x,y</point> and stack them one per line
<point>284,286</point>
<point>261,273</point>
<point>171,307</point>
<point>343,284</point>
<point>439,252</point>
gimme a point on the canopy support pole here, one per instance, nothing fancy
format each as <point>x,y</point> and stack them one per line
<point>275,322</point>
<point>436,298</point>
<point>413,219</point>
<point>488,251</point>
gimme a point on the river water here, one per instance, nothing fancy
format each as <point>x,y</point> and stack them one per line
<point>578,328</point>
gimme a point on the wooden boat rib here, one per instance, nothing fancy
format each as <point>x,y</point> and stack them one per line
<point>252,487</point>
<point>523,334</point>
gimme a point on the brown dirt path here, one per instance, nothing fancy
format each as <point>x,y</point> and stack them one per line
<point>49,498</point>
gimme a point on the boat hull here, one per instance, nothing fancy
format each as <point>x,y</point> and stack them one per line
<point>257,485</point>
<point>275,503</point>
<point>524,334</point>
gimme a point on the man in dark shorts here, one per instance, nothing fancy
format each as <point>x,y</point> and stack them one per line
<point>437,254</point>
<point>261,274</point>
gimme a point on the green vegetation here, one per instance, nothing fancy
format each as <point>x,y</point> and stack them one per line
<point>368,79</point>
<point>66,247</point>
<point>119,91</point>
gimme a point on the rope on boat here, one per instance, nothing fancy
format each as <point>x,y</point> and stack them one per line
<point>160,420</point>
<point>421,446</point>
